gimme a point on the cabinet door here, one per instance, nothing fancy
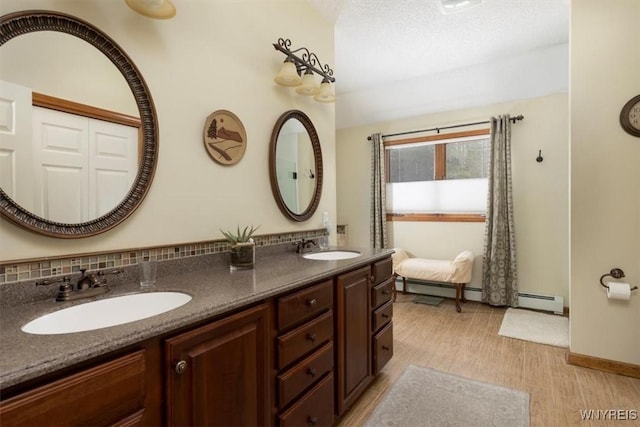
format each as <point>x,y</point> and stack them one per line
<point>382,270</point>
<point>382,347</point>
<point>303,305</point>
<point>353,343</point>
<point>112,393</point>
<point>382,316</point>
<point>314,409</point>
<point>218,374</point>
<point>382,293</point>
<point>304,339</point>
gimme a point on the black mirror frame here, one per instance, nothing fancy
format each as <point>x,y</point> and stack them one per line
<point>317,155</point>
<point>18,23</point>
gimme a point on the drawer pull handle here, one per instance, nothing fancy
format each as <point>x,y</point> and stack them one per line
<point>312,302</point>
<point>312,421</point>
<point>311,372</point>
<point>384,347</point>
<point>181,366</point>
<point>311,337</point>
<point>385,316</point>
<point>385,292</point>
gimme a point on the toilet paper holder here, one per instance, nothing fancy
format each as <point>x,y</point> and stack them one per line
<point>616,273</point>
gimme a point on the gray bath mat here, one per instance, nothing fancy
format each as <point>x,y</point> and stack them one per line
<point>424,397</point>
<point>428,300</point>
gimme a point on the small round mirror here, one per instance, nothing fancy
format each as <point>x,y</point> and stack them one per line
<point>295,165</point>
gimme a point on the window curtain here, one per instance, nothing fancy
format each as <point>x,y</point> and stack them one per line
<point>378,223</point>
<point>499,273</point>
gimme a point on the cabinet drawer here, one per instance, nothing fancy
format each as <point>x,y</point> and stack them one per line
<point>381,271</point>
<point>381,293</point>
<point>110,393</point>
<point>314,409</point>
<point>304,374</point>
<point>304,339</point>
<point>304,304</point>
<point>382,347</point>
<point>382,315</point>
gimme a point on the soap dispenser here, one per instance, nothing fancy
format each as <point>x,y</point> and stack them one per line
<point>324,240</point>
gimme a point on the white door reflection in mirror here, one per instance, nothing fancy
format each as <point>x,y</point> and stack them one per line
<point>295,166</point>
<point>83,167</point>
<point>15,142</point>
<point>66,167</point>
<point>74,67</point>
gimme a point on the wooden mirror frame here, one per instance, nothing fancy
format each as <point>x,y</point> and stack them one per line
<point>19,23</point>
<point>317,155</point>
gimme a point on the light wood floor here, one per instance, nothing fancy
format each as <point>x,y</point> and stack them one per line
<point>468,344</point>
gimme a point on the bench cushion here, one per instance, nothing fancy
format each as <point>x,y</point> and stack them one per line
<point>457,270</point>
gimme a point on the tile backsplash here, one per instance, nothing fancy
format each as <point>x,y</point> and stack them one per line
<point>13,272</point>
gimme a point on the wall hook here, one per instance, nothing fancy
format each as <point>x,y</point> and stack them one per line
<point>539,159</point>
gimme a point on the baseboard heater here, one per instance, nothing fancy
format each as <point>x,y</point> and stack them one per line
<point>551,303</point>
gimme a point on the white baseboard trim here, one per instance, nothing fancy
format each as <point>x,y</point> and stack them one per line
<point>551,303</point>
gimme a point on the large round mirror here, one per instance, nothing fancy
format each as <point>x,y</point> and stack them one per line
<point>295,165</point>
<point>78,128</point>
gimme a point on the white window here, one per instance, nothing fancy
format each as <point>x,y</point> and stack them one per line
<point>443,174</point>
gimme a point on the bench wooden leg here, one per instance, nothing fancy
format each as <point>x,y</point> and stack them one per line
<point>404,285</point>
<point>458,291</point>
<point>462,297</point>
<point>393,289</point>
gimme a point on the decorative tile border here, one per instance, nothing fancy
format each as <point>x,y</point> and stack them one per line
<point>37,269</point>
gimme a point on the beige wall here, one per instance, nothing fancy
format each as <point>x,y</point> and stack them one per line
<point>540,193</point>
<point>605,177</point>
<point>211,56</point>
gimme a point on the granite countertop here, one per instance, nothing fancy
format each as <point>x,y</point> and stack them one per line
<point>214,290</point>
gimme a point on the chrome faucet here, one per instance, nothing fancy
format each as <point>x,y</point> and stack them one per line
<point>88,285</point>
<point>303,245</point>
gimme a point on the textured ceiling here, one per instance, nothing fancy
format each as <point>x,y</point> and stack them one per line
<point>383,41</point>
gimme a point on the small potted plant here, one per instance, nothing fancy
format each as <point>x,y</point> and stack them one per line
<point>243,248</point>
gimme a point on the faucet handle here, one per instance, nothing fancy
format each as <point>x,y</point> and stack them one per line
<point>86,281</point>
<point>104,273</point>
<point>65,280</point>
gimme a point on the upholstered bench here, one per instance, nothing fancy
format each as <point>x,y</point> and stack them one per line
<point>456,272</point>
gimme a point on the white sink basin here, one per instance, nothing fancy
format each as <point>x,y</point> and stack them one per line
<point>106,312</point>
<point>332,255</point>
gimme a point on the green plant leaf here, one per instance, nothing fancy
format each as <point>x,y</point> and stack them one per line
<point>240,236</point>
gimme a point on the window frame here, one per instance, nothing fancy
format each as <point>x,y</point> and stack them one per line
<point>440,174</point>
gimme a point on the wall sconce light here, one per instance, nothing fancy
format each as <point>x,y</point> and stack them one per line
<point>156,9</point>
<point>293,67</point>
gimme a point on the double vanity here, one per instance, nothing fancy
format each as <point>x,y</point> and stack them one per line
<point>294,341</point>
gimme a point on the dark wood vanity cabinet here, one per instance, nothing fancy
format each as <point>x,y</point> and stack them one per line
<point>299,358</point>
<point>364,331</point>
<point>382,313</point>
<point>305,357</point>
<point>353,340</point>
<point>218,374</point>
<point>109,394</point>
